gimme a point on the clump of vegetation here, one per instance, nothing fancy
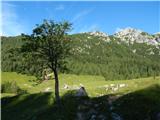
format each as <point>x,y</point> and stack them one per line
<point>11,87</point>
<point>144,33</point>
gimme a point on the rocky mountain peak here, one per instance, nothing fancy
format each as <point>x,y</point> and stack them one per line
<point>128,30</point>
<point>131,35</point>
<point>98,33</point>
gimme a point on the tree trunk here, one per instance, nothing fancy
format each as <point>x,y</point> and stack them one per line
<point>57,87</point>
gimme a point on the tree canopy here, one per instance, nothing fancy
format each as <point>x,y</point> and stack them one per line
<point>48,46</point>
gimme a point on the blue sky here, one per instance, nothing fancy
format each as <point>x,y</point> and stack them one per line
<point>21,17</point>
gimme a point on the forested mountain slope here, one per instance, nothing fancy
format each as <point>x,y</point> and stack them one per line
<point>127,54</point>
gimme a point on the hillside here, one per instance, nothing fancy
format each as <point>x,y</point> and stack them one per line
<point>141,96</point>
<point>118,72</point>
<point>80,60</point>
<point>127,54</point>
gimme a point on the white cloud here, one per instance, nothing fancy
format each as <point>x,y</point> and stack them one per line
<point>60,7</point>
<point>10,24</point>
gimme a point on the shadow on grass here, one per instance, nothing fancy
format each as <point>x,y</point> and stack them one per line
<point>139,105</point>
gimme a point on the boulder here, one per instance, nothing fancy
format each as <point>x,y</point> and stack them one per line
<point>158,116</point>
<point>101,117</point>
<point>115,116</point>
<point>122,85</point>
<point>80,116</point>
<point>92,113</point>
<point>93,117</point>
<point>66,86</point>
<point>47,89</point>
<point>112,85</point>
<point>81,92</point>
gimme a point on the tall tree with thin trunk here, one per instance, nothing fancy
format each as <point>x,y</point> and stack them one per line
<point>49,43</point>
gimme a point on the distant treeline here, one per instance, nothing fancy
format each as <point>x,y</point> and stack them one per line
<point>90,55</point>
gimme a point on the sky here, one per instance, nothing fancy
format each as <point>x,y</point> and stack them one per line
<point>22,16</point>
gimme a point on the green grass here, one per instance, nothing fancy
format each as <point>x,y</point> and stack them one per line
<point>139,100</point>
<point>93,84</point>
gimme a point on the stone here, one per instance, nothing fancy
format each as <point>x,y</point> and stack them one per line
<point>107,89</point>
<point>106,86</point>
<point>80,116</point>
<point>81,85</point>
<point>88,103</point>
<point>115,88</point>
<point>47,89</point>
<point>101,117</point>
<point>81,92</point>
<point>66,86</point>
<point>115,116</point>
<point>82,107</point>
<point>96,105</point>
<point>122,85</point>
<point>92,111</point>
<point>112,85</point>
<point>47,77</point>
<point>158,116</point>
<point>93,117</point>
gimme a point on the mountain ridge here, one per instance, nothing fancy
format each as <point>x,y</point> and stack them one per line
<point>130,35</point>
<point>96,53</point>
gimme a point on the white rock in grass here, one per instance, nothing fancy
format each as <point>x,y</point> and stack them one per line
<point>122,85</point>
<point>47,89</point>
<point>112,85</point>
<point>100,95</point>
<point>81,85</point>
<point>115,88</point>
<point>106,86</point>
<point>66,86</point>
<point>107,89</point>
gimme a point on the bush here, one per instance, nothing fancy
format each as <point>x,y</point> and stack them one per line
<point>11,87</point>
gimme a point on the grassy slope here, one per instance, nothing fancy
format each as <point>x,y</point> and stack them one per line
<point>140,99</point>
<point>93,84</point>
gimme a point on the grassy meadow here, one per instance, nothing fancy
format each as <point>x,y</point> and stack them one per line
<point>141,96</point>
<point>94,85</point>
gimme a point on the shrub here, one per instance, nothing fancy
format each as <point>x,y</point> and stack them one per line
<point>11,87</point>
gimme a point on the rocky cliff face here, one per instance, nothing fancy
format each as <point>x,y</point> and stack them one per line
<point>130,36</point>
